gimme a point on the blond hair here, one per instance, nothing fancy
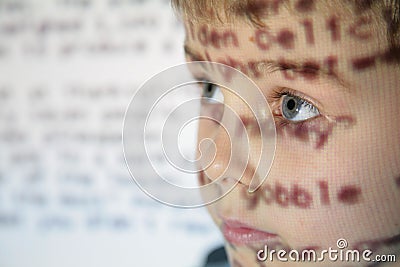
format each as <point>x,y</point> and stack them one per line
<point>254,11</point>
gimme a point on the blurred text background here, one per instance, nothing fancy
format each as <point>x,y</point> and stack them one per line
<point>68,69</point>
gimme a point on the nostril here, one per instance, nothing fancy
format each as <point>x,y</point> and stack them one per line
<point>223,180</point>
<point>229,181</point>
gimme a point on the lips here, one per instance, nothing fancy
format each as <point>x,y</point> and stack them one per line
<point>238,234</point>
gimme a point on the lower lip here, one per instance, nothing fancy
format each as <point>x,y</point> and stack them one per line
<point>241,235</point>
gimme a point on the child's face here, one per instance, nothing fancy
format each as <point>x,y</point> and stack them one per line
<point>336,174</point>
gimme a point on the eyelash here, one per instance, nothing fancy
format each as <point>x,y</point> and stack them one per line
<point>276,101</point>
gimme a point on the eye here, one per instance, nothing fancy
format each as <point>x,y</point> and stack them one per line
<point>212,93</point>
<point>297,109</point>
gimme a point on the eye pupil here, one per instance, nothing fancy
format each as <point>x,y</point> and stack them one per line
<point>209,87</point>
<point>291,104</point>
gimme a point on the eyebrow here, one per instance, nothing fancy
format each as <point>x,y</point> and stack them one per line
<point>269,66</point>
<point>193,55</point>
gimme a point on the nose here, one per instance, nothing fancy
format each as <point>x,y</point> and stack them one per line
<point>237,145</point>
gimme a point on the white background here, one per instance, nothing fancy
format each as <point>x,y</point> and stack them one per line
<point>68,69</point>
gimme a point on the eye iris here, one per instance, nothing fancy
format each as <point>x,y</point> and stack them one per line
<point>297,109</point>
<point>290,107</point>
<point>211,93</point>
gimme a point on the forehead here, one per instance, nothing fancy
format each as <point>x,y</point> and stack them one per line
<point>287,36</point>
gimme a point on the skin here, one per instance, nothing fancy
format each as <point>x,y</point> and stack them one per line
<point>352,176</point>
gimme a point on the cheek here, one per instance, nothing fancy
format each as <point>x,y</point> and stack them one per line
<point>315,132</point>
<point>341,191</point>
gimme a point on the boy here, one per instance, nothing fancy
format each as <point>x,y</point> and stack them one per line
<point>330,72</point>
